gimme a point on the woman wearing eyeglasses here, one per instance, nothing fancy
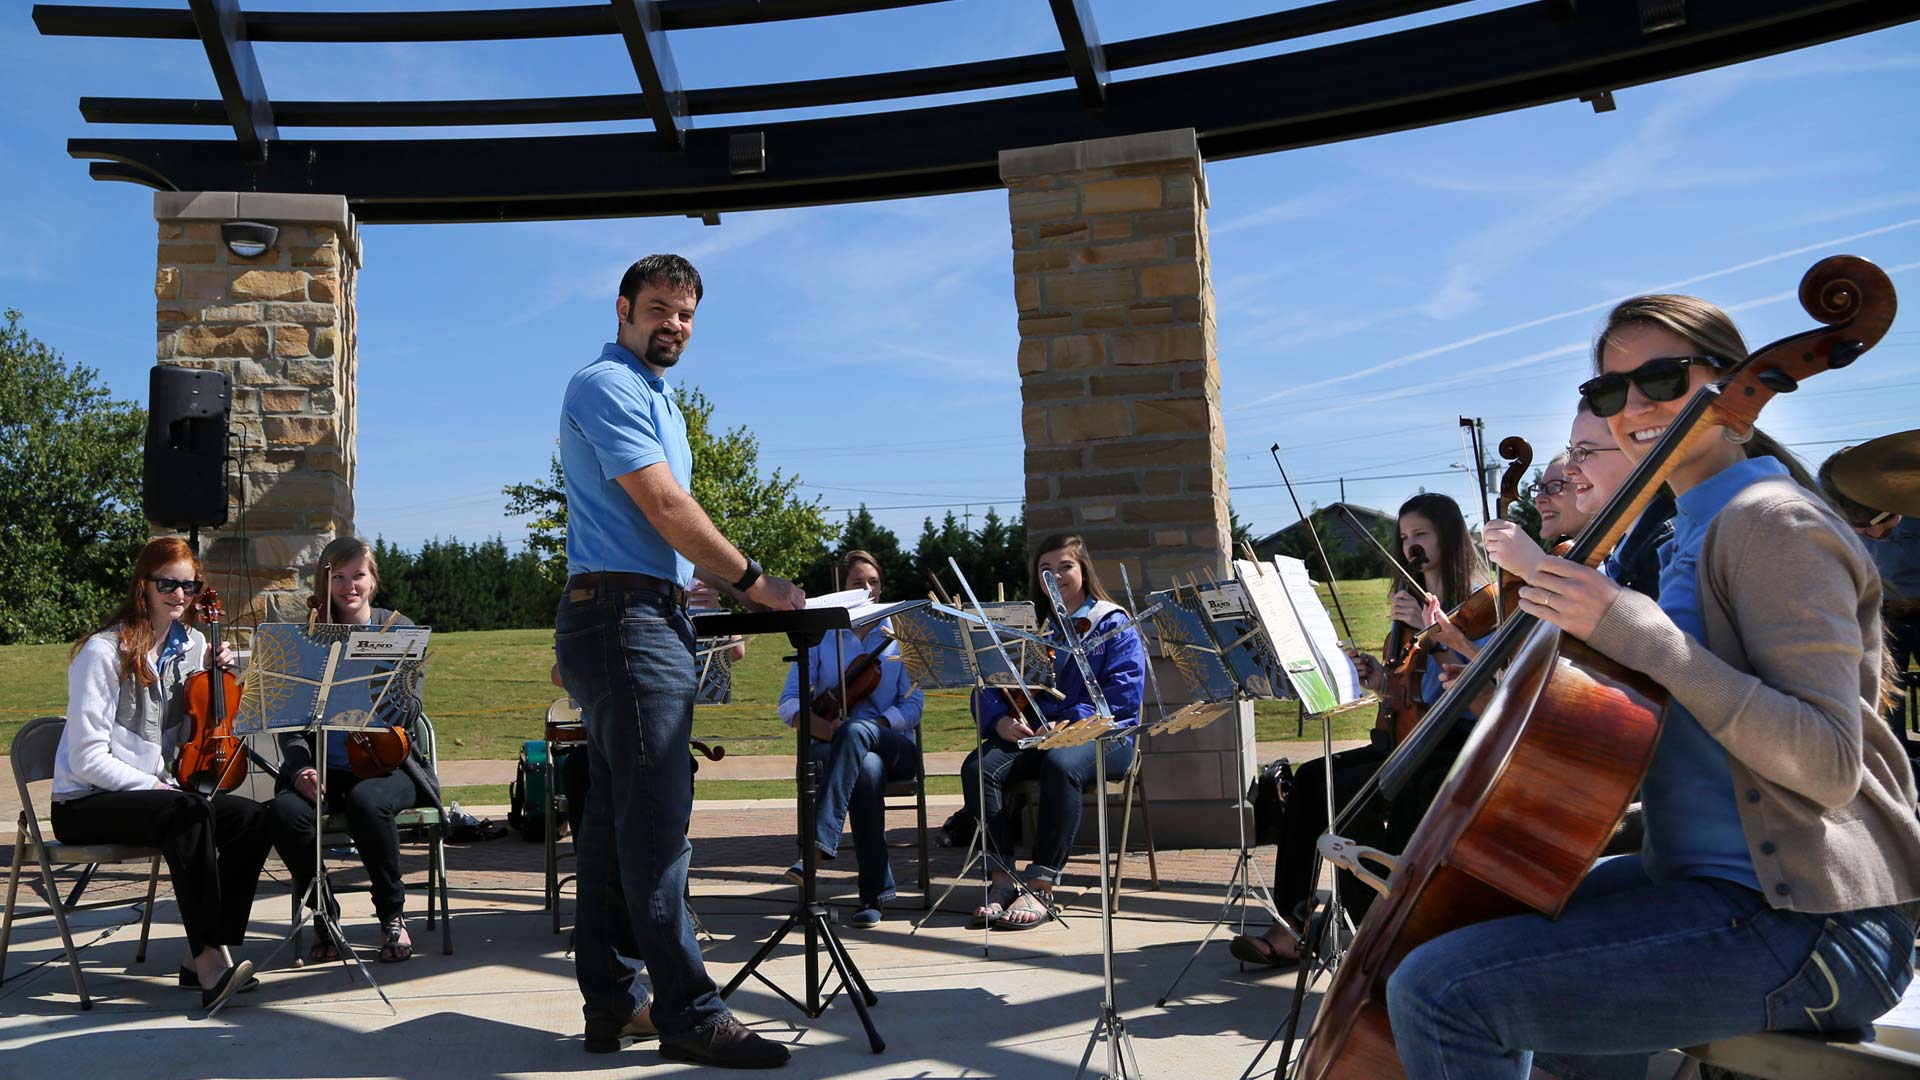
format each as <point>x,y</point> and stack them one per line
<point>1560,515</point>
<point>1595,469</point>
<point>344,584</point>
<point>1894,542</point>
<point>1781,859</point>
<point>111,780</point>
<point>1434,541</point>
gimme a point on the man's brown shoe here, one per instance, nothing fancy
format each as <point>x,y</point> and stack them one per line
<point>725,1044</point>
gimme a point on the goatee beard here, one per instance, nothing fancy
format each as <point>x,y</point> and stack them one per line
<point>661,358</point>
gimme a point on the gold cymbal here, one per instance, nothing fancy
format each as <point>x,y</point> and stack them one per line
<point>1883,474</point>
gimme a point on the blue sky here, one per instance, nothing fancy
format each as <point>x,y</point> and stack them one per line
<point>1369,292</point>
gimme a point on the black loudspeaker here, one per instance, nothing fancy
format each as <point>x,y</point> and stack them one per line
<point>185,480</point>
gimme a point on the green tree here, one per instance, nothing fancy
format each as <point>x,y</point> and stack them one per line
<point>546,503</point>
<point>1238,532</point>
<point>764,517</point>
<point>70,463</point>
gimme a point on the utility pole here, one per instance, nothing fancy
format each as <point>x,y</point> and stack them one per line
<point>1343,489</point>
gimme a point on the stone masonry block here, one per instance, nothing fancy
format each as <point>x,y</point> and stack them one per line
<point>311,372</point>
<point>1043,323</point>
<point>1170,416</point>
<point>290,341</point>
<point>1127,196</point>
<point>230,313</point>
<point>189,254</point>
<point>324,288</point>
<point>1099,512</point>
<point>301,430</point>
<point>1112,228</point>
<point>1044,391</point>
<point>1075,352</point>
<point>1169,511</point>
<point>312,314</point>
<point>1053,461</point>
<point>1160,482</point>
<point>1178,343</point>
<point>1026,294</point>
<point>1082,486</point>
<point>166,283</point>
<point>1033,425</point>
<point>1039,489</point>
<point>1134,252</point>
<point>1029,207</point>
<point>221,341</point>
<point>1032,356</point>
<point>270,285</point>
<point>1131,384</point>
<point>1045,519</point>
<point>171,316</point>
<point>326,342</point>
<point>203,285</point>
<point>1040,260</point>
<point>1109,317</point>
<point>1093,420</point>
<point>1085,288</point>
<point>283,400</point>
<point>327,254</point>
<point>1178,279</point>
<point>1134,453</point>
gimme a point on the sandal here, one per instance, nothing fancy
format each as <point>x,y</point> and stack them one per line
<point>325,946</point>
<point>395,949</point>
<point>1030,904</point>
<point>1258,951</point>
<point>998,897</point>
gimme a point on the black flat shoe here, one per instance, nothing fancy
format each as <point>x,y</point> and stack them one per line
<point>190,980</point>
<point>606,1034</point>
<point>229,984</point>
<point>726,1044</point>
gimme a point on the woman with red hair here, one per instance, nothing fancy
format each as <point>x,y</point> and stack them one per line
<point>111,781</point>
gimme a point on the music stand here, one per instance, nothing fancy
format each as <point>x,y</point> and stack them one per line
<point>805,629</point>
<point>330,677</point>
<point>947,653</point>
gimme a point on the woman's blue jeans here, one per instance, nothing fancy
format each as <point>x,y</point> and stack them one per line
<point>856,768</point>
<point>627,658</point>
<point>1633,967</point>
<point>1063,774</point>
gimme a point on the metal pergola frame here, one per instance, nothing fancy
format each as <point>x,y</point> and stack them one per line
<point>1525,55</point>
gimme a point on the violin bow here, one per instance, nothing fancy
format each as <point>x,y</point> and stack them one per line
<point>1333,583</point>
<point>1360,527</point>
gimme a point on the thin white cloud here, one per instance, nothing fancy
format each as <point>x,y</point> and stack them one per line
<point>1588,309</point>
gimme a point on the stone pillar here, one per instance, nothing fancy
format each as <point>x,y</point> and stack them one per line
<point>281,324</point>
<point>1120,384</point>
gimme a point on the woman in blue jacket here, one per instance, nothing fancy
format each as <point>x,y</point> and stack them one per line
<point>1118,666</point>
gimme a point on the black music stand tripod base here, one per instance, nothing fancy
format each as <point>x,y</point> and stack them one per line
<point>809,915</point>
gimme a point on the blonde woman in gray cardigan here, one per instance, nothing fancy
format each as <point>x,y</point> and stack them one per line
<point>112,781</point>
<point>1775,886</point>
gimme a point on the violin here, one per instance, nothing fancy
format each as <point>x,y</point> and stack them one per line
<point>211,758</point>
<point>1404,656</point>
<point>372,752</point>
<point>1021,703</point>
<point>863,678</point>
<point>1562,747</point>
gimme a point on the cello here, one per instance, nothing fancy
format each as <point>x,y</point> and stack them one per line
<point>1568,735</point>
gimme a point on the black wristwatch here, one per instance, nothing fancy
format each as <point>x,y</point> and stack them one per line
<point>747,579</point>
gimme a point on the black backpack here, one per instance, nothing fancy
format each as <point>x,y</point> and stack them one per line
<point>1268,794</point>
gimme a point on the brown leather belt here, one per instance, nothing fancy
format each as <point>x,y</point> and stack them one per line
<point>584,586</point>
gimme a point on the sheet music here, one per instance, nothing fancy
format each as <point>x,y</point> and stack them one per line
<point>1273,604</point>
<point>1321,634</point>
<point>862,609</point>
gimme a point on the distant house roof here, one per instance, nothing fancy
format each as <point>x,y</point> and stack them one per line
<point>1341,525</point>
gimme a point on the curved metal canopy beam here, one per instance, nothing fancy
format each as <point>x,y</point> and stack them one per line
<point>502,24</point>
<point>1433,74</point>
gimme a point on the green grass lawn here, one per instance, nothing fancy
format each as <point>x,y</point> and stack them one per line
<point>488,691</point>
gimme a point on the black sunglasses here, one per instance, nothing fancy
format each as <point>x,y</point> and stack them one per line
<point>173,585</point>
<point>1660,379</point>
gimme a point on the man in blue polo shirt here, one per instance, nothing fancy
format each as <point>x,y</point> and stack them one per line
<point>635,541</point>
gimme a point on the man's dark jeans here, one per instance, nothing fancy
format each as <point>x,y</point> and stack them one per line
<point>626,656</point>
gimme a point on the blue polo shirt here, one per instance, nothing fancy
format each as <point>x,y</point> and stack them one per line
<point>618,417</point>
<point>1692,821</point>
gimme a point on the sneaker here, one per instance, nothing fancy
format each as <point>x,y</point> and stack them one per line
<point>606,1034</point>
<point>867,917</point>
<point>797,873</point>
<point>725,1043</point>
